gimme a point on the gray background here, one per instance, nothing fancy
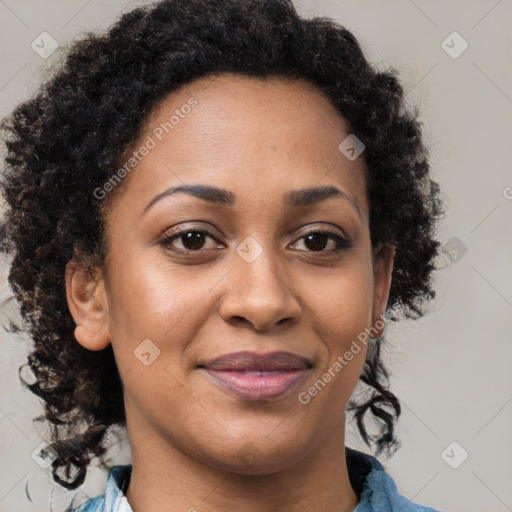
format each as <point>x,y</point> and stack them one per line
<point>451,369</point>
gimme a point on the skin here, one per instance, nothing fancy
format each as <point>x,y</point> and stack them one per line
<point>194,445</point>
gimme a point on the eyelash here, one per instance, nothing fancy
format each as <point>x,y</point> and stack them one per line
<point>341,243</point>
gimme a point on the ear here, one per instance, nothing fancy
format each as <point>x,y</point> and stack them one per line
<point>87,303</point>
<point>383,257</point>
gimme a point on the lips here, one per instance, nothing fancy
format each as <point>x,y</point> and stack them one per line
<point>250,361</point>
<point>253,376</point>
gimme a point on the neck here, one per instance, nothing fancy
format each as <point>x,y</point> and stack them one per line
<point>165,479</point>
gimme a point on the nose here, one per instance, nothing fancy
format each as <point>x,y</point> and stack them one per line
<point>259,295</point>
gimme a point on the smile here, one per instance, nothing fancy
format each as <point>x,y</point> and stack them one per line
<point>257,385</point>
<point>254,377</point>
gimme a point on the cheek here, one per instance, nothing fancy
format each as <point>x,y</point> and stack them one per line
<point>151,297</point>
<point>343,303</point>
<point>343,311</point>
<point>160,302</point>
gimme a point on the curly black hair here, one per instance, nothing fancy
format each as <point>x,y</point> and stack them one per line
<point>78,127</point>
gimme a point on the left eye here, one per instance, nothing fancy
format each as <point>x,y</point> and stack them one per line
<point>318,240</point>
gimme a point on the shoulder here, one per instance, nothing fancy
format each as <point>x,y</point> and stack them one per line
<point>113,500</point>
<point>96,504</point>
<point>376,488</point>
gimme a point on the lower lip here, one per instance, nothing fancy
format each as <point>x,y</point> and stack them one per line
<point>256,386</point>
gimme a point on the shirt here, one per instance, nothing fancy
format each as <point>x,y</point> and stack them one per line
<point>375,489</point>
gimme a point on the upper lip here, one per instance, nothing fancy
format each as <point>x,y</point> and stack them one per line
<point>251,361</point>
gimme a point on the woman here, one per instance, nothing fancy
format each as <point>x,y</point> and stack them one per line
<point>212,211</point>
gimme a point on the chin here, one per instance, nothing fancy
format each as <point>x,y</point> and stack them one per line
<point>256,458</point>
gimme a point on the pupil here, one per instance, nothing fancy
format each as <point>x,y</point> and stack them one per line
<point>319,240</point>
<point>193,239</point>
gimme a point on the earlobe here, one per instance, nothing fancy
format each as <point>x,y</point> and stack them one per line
<point>86,298</point>
<point>382,269</point>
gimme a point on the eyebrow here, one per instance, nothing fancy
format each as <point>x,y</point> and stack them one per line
<point>294,198</point>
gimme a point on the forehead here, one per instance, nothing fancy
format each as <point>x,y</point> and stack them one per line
<point>245,134</point>
<point>249,104</point>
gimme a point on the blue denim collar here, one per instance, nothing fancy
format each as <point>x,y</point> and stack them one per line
<point>375,489</point>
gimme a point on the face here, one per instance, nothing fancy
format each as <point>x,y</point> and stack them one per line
<point>202,288</point>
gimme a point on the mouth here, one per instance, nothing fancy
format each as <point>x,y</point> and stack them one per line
<point>257,377</point>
